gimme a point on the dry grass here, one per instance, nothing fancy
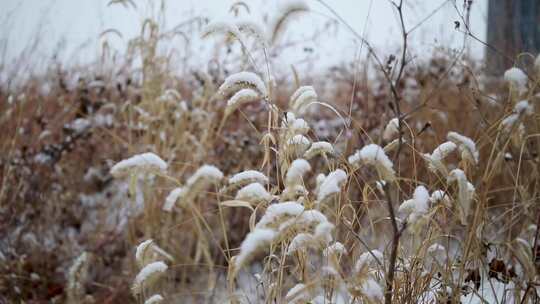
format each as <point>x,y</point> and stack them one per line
<point>59,202</point>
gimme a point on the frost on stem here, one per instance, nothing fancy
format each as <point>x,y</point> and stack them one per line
<point>466,146</point>
<point>77,275</point>
<point>297,170</point>
<point>434,160</point>
<point>517,80</point>
<point>253,193</point>
<point>146,162</point>
<point>374,155</point>
<point>248,177</point>
<point>148,276</point>
<point>319,148</point>
<point>465,193</point>
<point>301,98</point>
<point>243,80</point>
<point>331,185</point>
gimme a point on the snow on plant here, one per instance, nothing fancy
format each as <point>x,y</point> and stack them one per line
<point>517,79</point>
<point>391,130</point>
<point>295,125</point>
<point>146,162</point>
<point>256,240</point>
<point>368,259</point>
<point>319,148</point>
<point>331,185</point>
<point>287,11</point>
<point>247,177</point>
<point>297,145</point>
<point>300,241</point>
<point>439,196</point>
<point>374,155</point>
<point>466,146</point>
<point>299,293</point>
<point>148,251</point>
<point>301,98</point>
<point>206,175</point>
<point>148,275</point>
<point>416,207</point>
<point>77,275</point>
<point>240,98</point>
<point>155,299</point>
<point>297,170</point>
<point>253,193</point>
<point>521,109</point>
<point>276,212</point>
<point>336,249</point>
<point>243,80</point>
<point>465,193</point>
<point>434,160</point>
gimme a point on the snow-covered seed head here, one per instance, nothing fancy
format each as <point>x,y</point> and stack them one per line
<point>372,290</point>
<point>297,145</point>
<point>77,275</point>
<point>243,80</point>
<point>247,177</point>
<point>374,155</point>
<point>297,170</point>
<point>251,28</point>
<point>295,125</point>
<point>517,79</point>
<point>222,27</point>
<point>255,241</point>
<point>323,232</point>
<point>146,162</point>
<point>331,185</point>
<point>416,207</point>
<point>465,193</point>
<point>439,196</point>
<point>171,199</point>
<point>434,160</point>
<point>142,252</point>
<point>466,146</point>
<point>275,213</point>
<point>253,193</point>
<point>299,242</point>
<point>391,130</point>
<point>336,249</point>
<point>287,11</point>
<point>148,276</point>
<point>240,98</point>
<point>298,294</point>
<point>301,98</point>
<point>367,260</point>
<point>155,299</point>
<point>319,148</point>
<point>207,174</point>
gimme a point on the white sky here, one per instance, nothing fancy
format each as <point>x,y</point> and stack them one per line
<point>74,23</point>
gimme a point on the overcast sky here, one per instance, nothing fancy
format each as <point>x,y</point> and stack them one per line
<point>76,24</point>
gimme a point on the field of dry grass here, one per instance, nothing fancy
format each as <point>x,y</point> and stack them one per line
<point>417,183</point>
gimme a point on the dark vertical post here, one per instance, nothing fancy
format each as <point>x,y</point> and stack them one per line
<point>513,28</point>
